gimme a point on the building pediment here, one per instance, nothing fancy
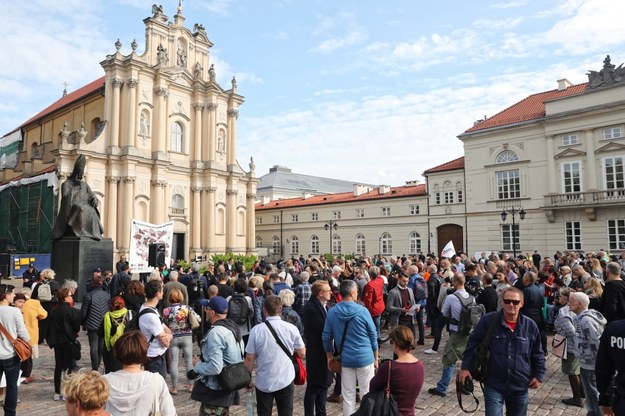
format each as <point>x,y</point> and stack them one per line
<point>611,147</point>
<point>569,153</point>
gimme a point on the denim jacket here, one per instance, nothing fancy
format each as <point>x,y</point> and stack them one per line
<point>219,348</point>
<point>515,357</point>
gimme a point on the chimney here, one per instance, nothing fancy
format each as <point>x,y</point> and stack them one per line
<point>413,182</point>
<point>563,84</point>
<point>265,200</point>
<point>308,195</point>
<point>384,189</point>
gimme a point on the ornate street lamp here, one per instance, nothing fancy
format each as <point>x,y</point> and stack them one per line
<point>329,226</point>
<point>513,211</point>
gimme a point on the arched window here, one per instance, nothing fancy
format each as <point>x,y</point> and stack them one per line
<point>506,156</point>
<point>414,242</point>
<point>177,204</point>
<point>386,244</point>
<point>241,222</point>
<point>177,137</point>
<point>314,244</point>
<point>336,244</point>
<point>294,245</point>
<point>259,242</point>
<point>275,245</point>
<point>360,244</point>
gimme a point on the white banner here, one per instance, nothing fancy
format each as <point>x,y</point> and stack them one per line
<point>449,250</point>
<point>10,146</point>
<point>143,234</point>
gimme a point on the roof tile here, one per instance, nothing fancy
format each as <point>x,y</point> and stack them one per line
<point>451,165</point>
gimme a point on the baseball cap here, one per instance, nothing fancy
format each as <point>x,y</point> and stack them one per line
<point>97,269</point>
<point>216,303</point>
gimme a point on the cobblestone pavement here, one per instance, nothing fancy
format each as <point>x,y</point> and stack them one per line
<point>36,398</point>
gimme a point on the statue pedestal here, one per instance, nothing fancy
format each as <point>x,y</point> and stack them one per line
<point>75,258</point>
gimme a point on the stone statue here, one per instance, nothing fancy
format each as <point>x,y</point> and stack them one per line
<point>234,84</point>
<point>161,55</point>
<point>608,75</point>
<point>252,164</point>
<point>157,10</point>
<point>221,144</point>
<point>182,55</point>
<point>65,132</point>
<point>211,73</point>
<point>144,127</point>
<point>82,133</point>
<point>197,72</point>
<point>78,215</point>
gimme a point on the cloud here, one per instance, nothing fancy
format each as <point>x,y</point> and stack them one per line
<point>341,30</point>
<point>499,24</point>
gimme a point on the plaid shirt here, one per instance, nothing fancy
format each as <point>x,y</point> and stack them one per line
<point>302,294</point>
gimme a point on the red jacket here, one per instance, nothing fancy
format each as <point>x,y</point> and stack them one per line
<point>373,296</point>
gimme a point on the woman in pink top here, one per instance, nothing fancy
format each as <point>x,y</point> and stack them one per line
<point>407,372</point>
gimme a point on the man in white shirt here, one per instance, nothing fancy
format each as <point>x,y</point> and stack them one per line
<point>157,333</point>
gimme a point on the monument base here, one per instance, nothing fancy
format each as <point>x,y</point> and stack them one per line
<point>75,258</point>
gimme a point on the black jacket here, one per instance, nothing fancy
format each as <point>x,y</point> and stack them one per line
<point>611,362</point>
<point>314,318</point>
<point>64,324</point>
<point>613,300</point>
<point>488,298</point>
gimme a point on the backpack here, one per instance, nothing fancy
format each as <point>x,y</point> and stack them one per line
<point>44,292</point>
<point>133,324</point>
<point>470,314</point>
<point>238,309</point>
<point>120,326</point>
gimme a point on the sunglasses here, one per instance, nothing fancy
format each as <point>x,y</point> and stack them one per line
<point>511,301</point>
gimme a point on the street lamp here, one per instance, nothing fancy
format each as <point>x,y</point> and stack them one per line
<point>329,226</point>
<point>513,211</point>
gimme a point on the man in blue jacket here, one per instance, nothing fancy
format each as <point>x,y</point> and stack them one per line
<point>516,363</point>
<point>359,355</point>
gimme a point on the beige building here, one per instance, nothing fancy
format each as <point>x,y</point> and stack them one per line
<point>160,136</point>
<point>559,156</point>
<point>366,221</point>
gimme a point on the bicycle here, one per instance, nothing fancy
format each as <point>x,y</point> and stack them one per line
<point>385,327</point>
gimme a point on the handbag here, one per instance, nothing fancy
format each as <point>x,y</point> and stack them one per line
<point>194,319</point>
<point>75,347</point>
<point>380,402</point>
<point>234,377</point>
<point>335,361</point>
<point>298,365</point>
<point>22,348</point>
<point>558,346</point>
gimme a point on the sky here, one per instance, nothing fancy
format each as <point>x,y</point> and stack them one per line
<point>367,91</point>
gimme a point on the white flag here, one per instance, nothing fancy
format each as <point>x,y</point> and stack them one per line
<point>449,250</point>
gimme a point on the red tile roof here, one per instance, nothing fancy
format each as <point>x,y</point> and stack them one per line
<point>451,165</point>
<point>530,108</point>
<point>395,192</point>
<point>51,168</point>
<point>68,99</point>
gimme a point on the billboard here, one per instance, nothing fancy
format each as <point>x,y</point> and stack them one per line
<point>141,236</point>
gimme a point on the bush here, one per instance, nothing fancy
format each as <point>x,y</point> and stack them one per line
<point>248,261</point>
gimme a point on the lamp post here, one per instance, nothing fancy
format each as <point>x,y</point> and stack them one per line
<point>513,211</point>
<point>329,226</point>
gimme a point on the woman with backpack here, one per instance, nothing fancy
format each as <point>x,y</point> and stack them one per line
<point>115,323</point>
<point>176,317</point>
<point>241,308</point>
<point>45,292</point>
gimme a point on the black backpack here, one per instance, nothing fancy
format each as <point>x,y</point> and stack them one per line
<point>238,309</point>
<point>133,324</point>
<point>470,314</point>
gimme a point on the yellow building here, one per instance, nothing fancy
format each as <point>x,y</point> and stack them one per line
<point>160,136</point>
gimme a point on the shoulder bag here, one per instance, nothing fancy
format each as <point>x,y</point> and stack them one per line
<point>335,362</point>
<point>381,402</point>
<point>298,365</point>
<point>234,376</point>
<point>558,346</point>
<point>22,348</point>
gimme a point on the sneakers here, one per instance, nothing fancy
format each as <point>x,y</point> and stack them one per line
<point>334,398</point>
<point>27,380</point>
<point>430,351</point>
<point>573,402</point>
<point>173,391</point>
<point>58,397</point>
<point>435,392</point>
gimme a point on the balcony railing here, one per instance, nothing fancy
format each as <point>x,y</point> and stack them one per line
<point>611,196</point>
<point>177,211</point>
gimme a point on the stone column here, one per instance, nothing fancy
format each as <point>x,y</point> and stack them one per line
<point>203,220</point>
<point>209,149</point>
<point>131,135</point>
<point>231,147</point>
<point>115,111</point>
<point>159,207</point>
<point>591,163</point>
<point>231,219</point>
<point>159,136</point>
<point>250,231</point>
<point>551,167</point>
<point>210,218</point>
<point>197,139</point>
<point>128,198</point>
<point>111,210</point>
<point>196,223</point>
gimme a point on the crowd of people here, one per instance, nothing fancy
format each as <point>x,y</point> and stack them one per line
<point>329,312</point>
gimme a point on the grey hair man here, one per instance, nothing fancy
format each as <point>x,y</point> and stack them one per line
<point>171,285</point>
<point>302,293</point>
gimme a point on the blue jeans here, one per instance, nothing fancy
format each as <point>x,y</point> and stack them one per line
<point>315,400</point>
<point>443,383</point>
<point>96,348</point>
<point>516,403</point>
<point>11,368</point>
<point>376,322</point>
<point>590,389</point>
<point>419,316</point>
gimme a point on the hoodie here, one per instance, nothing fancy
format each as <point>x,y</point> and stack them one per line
<point>588,329</point>
<point>134,394</point>
<point>361,339</point>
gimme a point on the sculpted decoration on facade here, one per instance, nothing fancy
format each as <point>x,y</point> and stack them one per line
<point>607,76</point>
<point>132,83</point>
<point>117,82</point>
<point>161,55</point>
<point>233,112</point>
